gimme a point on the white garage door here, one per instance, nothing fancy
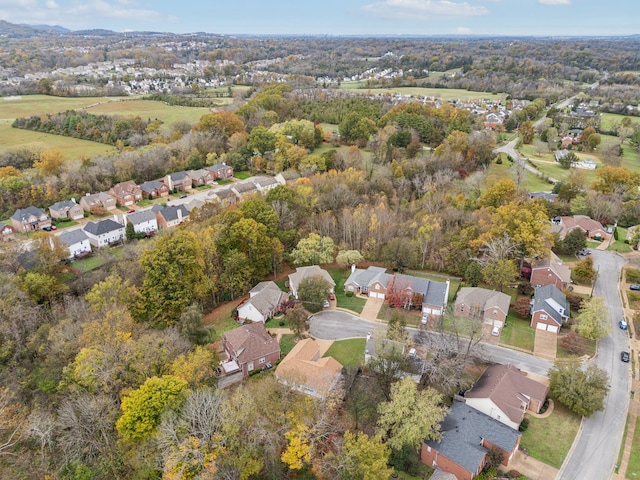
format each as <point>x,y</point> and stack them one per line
<point>541,326</point>
<point>426,310</point>
<point>552,328</point>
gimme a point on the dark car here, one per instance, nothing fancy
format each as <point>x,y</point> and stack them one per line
<point>46,229</point>
<point>584,252</point>
<point>183,196</point>
<point>634,286</point>
<point>624,356</point>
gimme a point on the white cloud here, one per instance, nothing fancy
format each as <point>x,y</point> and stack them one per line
<point>423,9</point>
<point>462,31</point>
<point>554,2</point>
<point>51,4</point>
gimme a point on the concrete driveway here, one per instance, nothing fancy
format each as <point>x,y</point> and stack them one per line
<point>545,345</point>
<point>372,308</point>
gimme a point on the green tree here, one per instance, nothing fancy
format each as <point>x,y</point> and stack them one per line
<point>42,288</point>
<point>130,231</point>
<point>397,327</point>
<point>297,319</point>
<point>313,250</point>
<point>174,277</point>
<point>583,271</point>
<point>356,128</point>
<point>411,416</point>
<point>527,132</point>
<point>362,458</point>
<point>500,273</point>
<point>346,258</point>
<point>594,321</point>
<point>142,409</point>
<point>262,140</point>
<point>574,241</point>
<point>566,160</point>
<point>312,292</point>
<point>112,292</point>
<point>581,390</point>
<point>473,274</point>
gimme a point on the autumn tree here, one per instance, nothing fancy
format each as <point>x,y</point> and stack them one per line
<point>346,258</point>
<point>313,250</point>
<point>397,327</point>
<point>50,163</point>
<point>527,132</point>
<point>500,273</point>
<point>594,321</point>
<point>583,271</point>
<point>615,180</point>
<point>360,458</point>
<point>500,193</point>
<point>573,343</point>
<point>313,292</point>
<point>581,390</point>
<point>411,416</point>
<point>522,307</point>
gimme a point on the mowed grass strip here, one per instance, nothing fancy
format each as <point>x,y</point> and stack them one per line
<point>561,426</point>
<point>151,109</point>
<point>350,352</point>
<point>633,467</point>
<point>27,105</point>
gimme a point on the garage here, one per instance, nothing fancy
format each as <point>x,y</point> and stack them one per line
<point>376,295</point>
<point>552,328</point>
<point>541,326</point>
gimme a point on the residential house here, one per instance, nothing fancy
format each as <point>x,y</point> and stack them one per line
<point>492,120</point>
<point>225,196</point>
<point>550,271</point>
<point>105,232</point>
<point>251,347</point>
<point>201,177</point>
<point>169,217</point>
<point>287,177</point>
<point>77,242</point>
<point>30,219</point>
<point>193,203</point>
<point>179,181</point>
<point>560,154</point>
<point>304,369</point>
<point>410,291</point>
<point>467,437</point>
<point>7,232</point>
<point>264,184</point>
<point>126,193</point>
<point>244,188</point>
<point>309,272</point>
<point>144,221</point>
<point>550,197</point>
<point>550,309</point>
<point>221,171</point>
<point>98,203</point>
<point>585,164</point>
<point>154,189</point>
<point>265,299</point>
<point>387,351</point>
<point>66,209</point>
<point>505,393</point>
<point>590,227</point>
<point>372,282</point>
<point>486,305</point>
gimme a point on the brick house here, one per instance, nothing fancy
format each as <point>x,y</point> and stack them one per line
<point>225,196</point>
<point>180,181</point>
<point>410,291</point>
<point>251,347</point>
<point>550,271</point>
<point>66,209</point>
<point>126,193</point>
<point>30,219</point>
<point>154,189</point>
<point>550,309</point>
<point>467,437</point>
<point>168,217</point>
<point>590,227</point>
<point>201,177</point>
<point>98,203</point>
<point>372,282</point>
<point>221,171</point>
<point>486,305</point>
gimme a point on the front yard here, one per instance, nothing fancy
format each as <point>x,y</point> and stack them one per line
<point>355,304</point>
<point>518,333</point>
<point>350,352</point>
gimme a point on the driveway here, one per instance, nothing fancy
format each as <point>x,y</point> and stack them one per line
<point>545,345</point>
<point>372,308</point>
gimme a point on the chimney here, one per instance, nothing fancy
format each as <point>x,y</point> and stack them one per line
<point>180,213</point>
<point>73,199</point>
<point>353,267</point>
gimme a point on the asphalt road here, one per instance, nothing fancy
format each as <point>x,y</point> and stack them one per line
<point>596,449</point>
<point>336,325</point>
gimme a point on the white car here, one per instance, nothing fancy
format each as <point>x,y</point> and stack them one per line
<point>423,321</point>
<point>496,331</point>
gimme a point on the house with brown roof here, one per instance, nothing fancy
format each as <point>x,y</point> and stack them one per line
<point>505,393</point>
<point>98,203</point>
<point>308,272</point>
<point>7,232</point>
<point>225,196</point>
<point>251,347</point>
<point>550,271</point>
<point>486,305</point>
<point>126,193</point>
<point>265,299</point>
<point>590,227</point>
<point>201,177</point>
<point>304,369</point>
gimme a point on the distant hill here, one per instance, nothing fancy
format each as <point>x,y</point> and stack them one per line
<point>95,32</point>
<point>50,28</point>
<point>12,30</point>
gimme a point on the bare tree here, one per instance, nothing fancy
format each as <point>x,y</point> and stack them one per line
<point>40,427</point>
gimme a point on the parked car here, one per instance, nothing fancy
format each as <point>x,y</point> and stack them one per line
<point>622,324</point>
<point>326,304</point>
<point>412,352</point>
<point>496,331</point>
<point>423,321</point>
<point>584,252</point>
<point>183,196</point>
<point>131,211</point>
<point>46,229</point>
<point>332,296</point>
<point>624,356</point>
<point>634,286</point>
<point>53,227</point>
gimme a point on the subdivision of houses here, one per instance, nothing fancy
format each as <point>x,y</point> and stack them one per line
<point>550,271</point>
<point>66,209</point>
<point>411,291</point>
<point>467,437</point>
<point>98,203</point>
<point>550,309</point>
<point>372,282</point>
<point>250,347</point>
<point>309,272</point>
<point>30,219</point>
<point>265,299</point>
<point>77,242</point>
<point>505,393</point>
<point>489,306</point>
<point>105,232</point>
<point>126,193</point>
<point>304,369</point>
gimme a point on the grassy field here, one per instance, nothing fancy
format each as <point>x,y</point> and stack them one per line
<point>221,318</point>
<point>287,342</point>
<point>444,93</point>
<point>151,109</point>
<point>610,120</point>
<point>411,317</point>
<point>35,104</point>
<point>355,304</point>
<point>350,353</point>
<point>530,181</point>
<point>518,333</point>
<point>561,426</point>
<point>633,468</point>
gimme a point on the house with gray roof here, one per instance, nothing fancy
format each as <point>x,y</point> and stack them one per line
<point>486,305</point>
<point>30,219</point>
<point>77,242</point>
<point>505,393</point>
<point>66,209</point>
<point>309,272</point>
<point>372,281</point>
<point>550,309</point>
<point>243,188</point>
<point>221,171</point>
<point>98,203</point>
<point>144,221</point>
<point>264,184</point>
<point>172,216</point>
<point>201,177</point>
<point>180,181</point>
<point>225,196</point>
<point>265,299</point>
<point>467,437</point>
<point>154,189</point>
<point>105,232</point>
<point>407,291</point>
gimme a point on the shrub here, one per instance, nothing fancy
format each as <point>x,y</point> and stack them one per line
<point>633,275</point>
<point>522,307</point>
<point>525,288</point>
<point>499,161</point>
<point>281,323</point>
<point>524,425</point>
<point>349,294</point>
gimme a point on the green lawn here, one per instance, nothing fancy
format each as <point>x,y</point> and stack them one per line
<point>445,93</point>
<point>287,342</point>
<point>90,263</point>
<point>561,426</point>
<point>355,304</point>
<point>530,181</point>
<point>350,352</point>
<point>633,468</point>
<point>411,317</point>
<point>241,175</point>
<point>610,120</point>
<point>518,333</point>
<point>221,319</point>
<point>624,436</point>
<point>152,109</point>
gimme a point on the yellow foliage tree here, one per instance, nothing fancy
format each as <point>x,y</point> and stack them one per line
<point>298,452</point>
<point>50,162</point>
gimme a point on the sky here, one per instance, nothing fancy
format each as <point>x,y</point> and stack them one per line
<point>337,17</point>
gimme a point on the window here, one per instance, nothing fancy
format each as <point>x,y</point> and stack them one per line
<point>261,360</point>
<point>543,316</point>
